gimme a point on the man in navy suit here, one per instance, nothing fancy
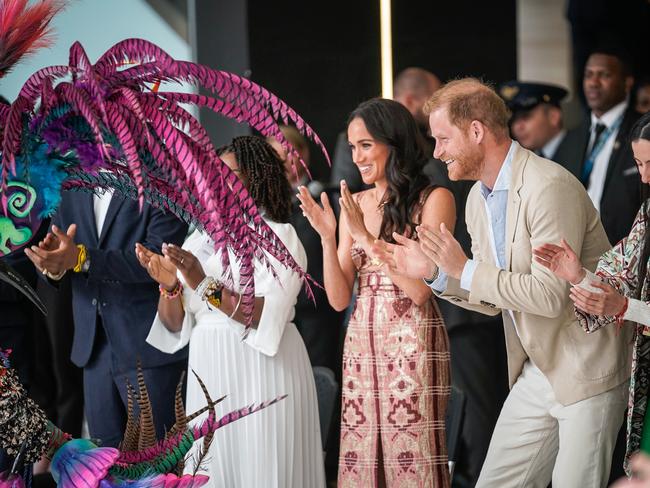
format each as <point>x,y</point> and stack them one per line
<point>599,153</point>
<point>114,302</point>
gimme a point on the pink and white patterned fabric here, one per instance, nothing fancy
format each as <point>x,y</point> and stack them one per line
<point>396,384</point>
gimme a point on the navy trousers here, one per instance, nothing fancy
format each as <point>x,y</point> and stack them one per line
<point>105,393</point>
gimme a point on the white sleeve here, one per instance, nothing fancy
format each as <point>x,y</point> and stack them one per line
<point>160,336</point>
<point>637,311</point>
<point>167,341</point>
<point>280,296</point>
<point>590,278</point>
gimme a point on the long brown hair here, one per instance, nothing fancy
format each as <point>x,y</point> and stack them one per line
<point>390,123</point>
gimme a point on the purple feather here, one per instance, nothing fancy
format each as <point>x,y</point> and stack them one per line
<point>11,480</point>
<point>81,464</point>
<point>114,95</point>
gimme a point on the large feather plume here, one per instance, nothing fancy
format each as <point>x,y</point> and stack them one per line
<point>103,125</point>
<point>24,28</point>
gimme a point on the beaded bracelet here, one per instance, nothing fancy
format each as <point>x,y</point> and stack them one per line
<point>214,298</point>
<point>170,295</point>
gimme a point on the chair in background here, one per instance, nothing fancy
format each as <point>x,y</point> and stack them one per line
<point>327,391</point>
<point>454,425</point>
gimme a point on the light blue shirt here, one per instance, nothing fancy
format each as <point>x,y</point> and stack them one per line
<point>496,204</point>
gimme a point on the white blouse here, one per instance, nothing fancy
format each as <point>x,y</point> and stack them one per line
<point>280,295</point>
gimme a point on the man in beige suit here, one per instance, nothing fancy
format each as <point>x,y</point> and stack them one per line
<point>568,388</point>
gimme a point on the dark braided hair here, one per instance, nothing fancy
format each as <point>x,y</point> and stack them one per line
<point>390,123</point>
<point>264,175</point>
<point>641,131</point>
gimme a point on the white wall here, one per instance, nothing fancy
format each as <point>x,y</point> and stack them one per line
<point>543,42</point>
<point>98,24</point>
<point>544,49</point>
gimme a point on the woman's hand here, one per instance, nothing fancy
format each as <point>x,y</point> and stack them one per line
<point>322,219</point>
<point>160,268</point>
<point>561,260</point>
<point>404,258</point>
<point>354,217</point>
<point>186,263</point>
<point>609,302</point>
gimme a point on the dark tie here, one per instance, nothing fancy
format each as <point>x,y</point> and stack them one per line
<point>588,165</point>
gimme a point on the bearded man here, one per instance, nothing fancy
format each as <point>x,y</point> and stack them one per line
<point>568,388</point>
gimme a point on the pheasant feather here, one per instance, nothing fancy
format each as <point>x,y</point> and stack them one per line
<point>84,121</point>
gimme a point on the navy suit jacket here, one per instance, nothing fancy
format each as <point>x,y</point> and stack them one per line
<point>116,287</point>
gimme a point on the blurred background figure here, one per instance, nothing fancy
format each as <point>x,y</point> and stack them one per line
<point>598,153</point>
<point>296,172</point>
<point>537,121</point>
<point>320,326</point>
<point>318,323</point>
<point>642,95</point>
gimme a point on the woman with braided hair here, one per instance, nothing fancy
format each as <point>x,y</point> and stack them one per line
<point>199,303</point>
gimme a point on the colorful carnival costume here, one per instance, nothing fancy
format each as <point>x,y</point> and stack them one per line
<point>395,386</point>
<point>142,461</point>
<point>87,126</point>
<point>109,125</point>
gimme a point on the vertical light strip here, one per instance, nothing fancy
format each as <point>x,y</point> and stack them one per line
<point>386,48</point>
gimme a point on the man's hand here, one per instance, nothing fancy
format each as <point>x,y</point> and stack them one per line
<point>404,258</point>
<point>55,254</point>
<point>442,249</point>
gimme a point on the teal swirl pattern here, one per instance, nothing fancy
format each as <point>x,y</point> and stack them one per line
<point>20,203</point>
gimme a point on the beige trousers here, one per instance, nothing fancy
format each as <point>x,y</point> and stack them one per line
<point>537,440</point>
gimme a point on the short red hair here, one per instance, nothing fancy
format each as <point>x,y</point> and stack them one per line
<point>470,99</point>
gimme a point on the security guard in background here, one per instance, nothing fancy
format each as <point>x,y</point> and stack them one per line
<point>537,122</point>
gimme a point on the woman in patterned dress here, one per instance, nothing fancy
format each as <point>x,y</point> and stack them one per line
<point>396,353</point>
<point>619,291</point>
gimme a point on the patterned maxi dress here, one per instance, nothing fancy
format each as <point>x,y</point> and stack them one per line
<point>395,387</point>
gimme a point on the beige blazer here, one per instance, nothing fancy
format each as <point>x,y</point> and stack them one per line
<point>545,203</point>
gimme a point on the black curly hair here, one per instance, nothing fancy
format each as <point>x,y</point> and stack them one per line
<point>390,123</point>
<point>264,174</point>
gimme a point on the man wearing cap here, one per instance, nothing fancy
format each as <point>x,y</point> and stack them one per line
<point>537,122</point>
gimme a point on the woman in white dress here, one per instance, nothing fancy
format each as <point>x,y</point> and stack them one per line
<point>281,445</point>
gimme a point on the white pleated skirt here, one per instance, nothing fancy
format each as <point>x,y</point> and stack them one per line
<point>278,447</point>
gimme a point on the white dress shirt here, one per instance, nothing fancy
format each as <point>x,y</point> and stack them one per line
<point>599,171</point>
<point>549,149</point>
<point>101,201</point>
